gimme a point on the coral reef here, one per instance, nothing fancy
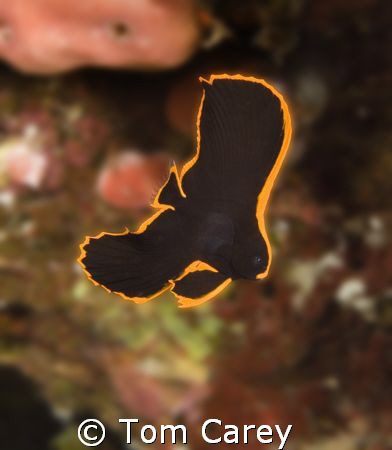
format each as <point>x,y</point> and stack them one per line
<point>310,345</point>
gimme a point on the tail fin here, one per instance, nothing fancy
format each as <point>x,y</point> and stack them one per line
<point>136,266</point>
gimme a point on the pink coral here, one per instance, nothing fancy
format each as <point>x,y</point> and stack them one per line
<point>130,179</point>
<point>47,36</point>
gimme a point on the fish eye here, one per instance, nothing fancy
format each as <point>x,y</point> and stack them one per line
<point>257,260</point>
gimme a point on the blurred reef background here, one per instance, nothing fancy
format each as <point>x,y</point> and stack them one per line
<point>97,98</point>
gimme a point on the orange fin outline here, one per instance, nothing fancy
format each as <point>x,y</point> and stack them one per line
<point>262,199</point>
<point>264,194</point>
<point>122,295</point>
<point>197,266</point>
<point>155,203</point>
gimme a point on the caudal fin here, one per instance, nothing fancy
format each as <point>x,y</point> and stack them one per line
<point>137,266</point>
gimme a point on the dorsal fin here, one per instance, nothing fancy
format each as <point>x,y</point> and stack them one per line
<point>171,193</point>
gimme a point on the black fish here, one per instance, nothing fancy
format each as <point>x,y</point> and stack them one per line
<point>209,226</point>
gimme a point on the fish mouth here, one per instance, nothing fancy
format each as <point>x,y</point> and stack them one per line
<point>235,275</point>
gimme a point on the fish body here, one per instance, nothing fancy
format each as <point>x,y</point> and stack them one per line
<point>209,226</point>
